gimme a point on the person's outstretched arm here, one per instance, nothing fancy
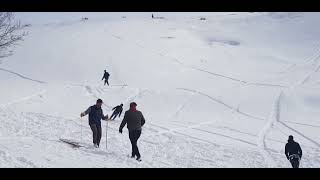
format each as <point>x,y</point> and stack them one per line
<point>123,123</point>
<point>85,112</point>
<point>114,108</point>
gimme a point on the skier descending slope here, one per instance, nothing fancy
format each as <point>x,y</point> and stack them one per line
<point>106,76</point>
<point>134,120</point>
<point>117,111</point>
<point>95,115</point>
<point>293,152</point>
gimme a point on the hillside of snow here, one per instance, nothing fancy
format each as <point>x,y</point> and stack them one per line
<point>223,92</point>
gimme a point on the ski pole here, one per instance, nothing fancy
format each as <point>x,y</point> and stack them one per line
<point>107,134</point>
<point>81,128</point>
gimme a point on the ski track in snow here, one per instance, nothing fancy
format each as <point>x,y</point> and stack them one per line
<point>299,133</point>
<point>23,77</point>
<point>274,117</point>
<point>302,124</point>
<point>90,91</point>
<point>308,76</point>
<point>222,103</point>
<point>138,93</point>
<point>308,60</point>
<point>315,59</point>
<point>176,60</point>
<point>39,94</point>
<point>179,109</point>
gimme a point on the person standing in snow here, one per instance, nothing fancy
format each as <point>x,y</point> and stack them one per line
<point>152,16</point>
<point>293,152</point>
<point>134,120</point>
<point>117,111</point>
<point>106,76</point>
<point>95,115</point>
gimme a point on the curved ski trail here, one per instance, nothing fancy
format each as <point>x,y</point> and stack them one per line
<point>273,117</point>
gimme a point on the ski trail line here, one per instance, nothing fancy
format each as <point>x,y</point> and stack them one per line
<point>309,75</point>
<point>307,60</point>
<point>299,133</point>
<point>23,99</point>
<point>23,77</point>
<point>273,117</point>
<point>224,104</point>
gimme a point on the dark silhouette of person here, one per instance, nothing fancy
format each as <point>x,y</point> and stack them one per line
<point>134,121</point>
<point>117,111</point>
<point>95,115</point>
<point>106,76</point>
<point>293,152</point>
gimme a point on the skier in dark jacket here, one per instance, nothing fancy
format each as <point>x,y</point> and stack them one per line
<point>134,120</point>
<point>106,76</point>
<point>95,115</point>
<point>293,152</point>
<point>117,111</point>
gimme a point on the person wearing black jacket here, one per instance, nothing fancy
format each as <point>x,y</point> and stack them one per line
<point>134,120</point>
<point>106,76</point>
<point>95,115</point>
<point>116,111</point>
<point>293,152</point>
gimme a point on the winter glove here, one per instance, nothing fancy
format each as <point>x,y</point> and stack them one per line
<point>82,114</point>
<point>120,131</point>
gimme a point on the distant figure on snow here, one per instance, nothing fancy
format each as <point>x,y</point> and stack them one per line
<point>84,19</point>
<point>152,16</point>
<point>117,111</point>
<point>106,76</point>
<point>95,115</point>
<point>134,120</point>
<point>293,152</point>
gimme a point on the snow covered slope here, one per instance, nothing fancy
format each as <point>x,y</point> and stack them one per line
<point>224,92</point>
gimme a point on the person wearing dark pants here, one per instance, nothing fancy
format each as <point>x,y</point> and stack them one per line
<point>134,120</point>
<point>117,111</point>
<point>295,161</point>
<point>96,133</point>
<point>134,136</point>
<point>95,115</point>
<point>293,152</point>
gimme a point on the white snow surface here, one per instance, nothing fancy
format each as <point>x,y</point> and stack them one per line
<point>224,92</point>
